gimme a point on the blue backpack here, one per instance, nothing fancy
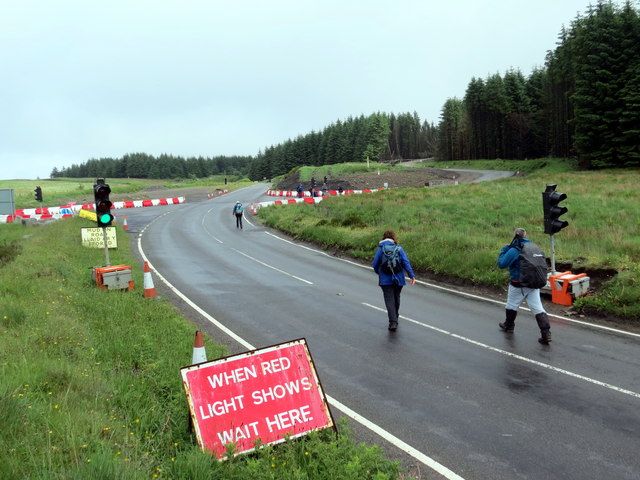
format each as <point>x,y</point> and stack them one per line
<point>239,209</point>
<point>391,261</point>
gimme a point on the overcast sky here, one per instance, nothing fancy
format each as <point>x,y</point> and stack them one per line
<point>84,79</point>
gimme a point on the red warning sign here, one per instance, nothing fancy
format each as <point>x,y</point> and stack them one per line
<point>265,395</point>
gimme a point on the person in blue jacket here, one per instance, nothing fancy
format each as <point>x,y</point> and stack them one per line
<point>510,258</point>
<point>238,210</point>
<point>392,283</point>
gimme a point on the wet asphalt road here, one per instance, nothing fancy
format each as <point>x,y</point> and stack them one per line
<point>484,404</point>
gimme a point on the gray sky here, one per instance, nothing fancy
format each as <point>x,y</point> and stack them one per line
<point>83,79</point>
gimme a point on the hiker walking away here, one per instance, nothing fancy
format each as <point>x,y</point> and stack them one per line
<point>300,190</point>
<point>390,263</point>
<point>528,273</point>
<point>312,187</point>
<point>238,210</point>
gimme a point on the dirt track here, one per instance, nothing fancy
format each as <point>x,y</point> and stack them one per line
<point>418,177</point>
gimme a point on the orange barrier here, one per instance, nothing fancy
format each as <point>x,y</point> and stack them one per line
<point>565,286</point>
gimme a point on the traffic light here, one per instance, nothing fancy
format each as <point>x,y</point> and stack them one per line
<point>101,193</point>
<point>553,211</point>
<point>38,194</point>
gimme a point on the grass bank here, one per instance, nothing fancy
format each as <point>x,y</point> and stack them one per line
<point>90,384</point>
<point>457,231</point>
<point>60,191</point>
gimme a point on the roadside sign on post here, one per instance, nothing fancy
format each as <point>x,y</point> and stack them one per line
<point>93,237</point>
<point>268,395</point>
<point>7,202</point>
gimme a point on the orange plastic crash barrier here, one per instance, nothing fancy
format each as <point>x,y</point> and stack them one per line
<point>115,277</point>
<point>560,287</point>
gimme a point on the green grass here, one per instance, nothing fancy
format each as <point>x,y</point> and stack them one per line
<point>90,384</point>
<point>457,231</point>
<point>339,169</point>
<point>60,191</point>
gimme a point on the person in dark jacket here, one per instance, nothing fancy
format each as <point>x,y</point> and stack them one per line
<point>392,283</point>
<point>510,258</point>
<point>238,210</point>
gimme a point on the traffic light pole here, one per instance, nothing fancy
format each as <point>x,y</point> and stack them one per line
<point>553,255</point>
<point>106,247</point>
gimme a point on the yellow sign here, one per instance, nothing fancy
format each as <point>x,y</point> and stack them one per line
<point>88,215</point>
<point>92,237</point>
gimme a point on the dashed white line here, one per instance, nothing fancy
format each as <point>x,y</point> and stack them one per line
<point>388,436</point>
<point>465,294</point>
<point>271,266</point>
<point>513,355</point>
<point>206,230</point>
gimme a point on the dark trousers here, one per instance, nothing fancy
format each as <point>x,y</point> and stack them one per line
<point>392,301</point>
<point>238,220</point>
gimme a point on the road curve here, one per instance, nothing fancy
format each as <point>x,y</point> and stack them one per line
<point>448,383</point>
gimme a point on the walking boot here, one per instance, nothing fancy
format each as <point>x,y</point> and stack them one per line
<point>509,324</point>
<point>393,326</point>
<point>543,323</point>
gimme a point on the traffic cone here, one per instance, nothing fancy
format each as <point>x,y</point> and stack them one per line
<point>199,354</point>
<point>149,289</point>
<point>125,226</point>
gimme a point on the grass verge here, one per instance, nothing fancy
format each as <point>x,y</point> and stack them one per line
<point>457,231</point>
<point>90,384</point>
<point>60,191</point>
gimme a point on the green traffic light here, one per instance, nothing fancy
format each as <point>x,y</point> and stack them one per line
<point>105,218</point>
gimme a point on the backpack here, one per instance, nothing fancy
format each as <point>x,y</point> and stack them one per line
<point>239,209</point>
<point>533,266</point>
<point>391,262</point>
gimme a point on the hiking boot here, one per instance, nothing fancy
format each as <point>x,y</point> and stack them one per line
<point>545,337</point>
<point>509,324</point>
<point>393,326</point>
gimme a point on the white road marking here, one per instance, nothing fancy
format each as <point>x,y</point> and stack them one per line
<point>388,436</point>
<point>465,294</point>
<point>271,266</point>
<point>513,355</point>
<point>208,232</point>
<point>247,220</point>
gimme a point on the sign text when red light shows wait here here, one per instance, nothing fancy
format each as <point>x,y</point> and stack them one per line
<point>266,394</point>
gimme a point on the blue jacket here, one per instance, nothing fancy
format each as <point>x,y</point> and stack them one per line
<point>387,278</point>
<point>510,258</point>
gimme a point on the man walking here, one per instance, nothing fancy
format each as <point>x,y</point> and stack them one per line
<point>510,258</point>
<point>390,262</point>
<point>238,210</point>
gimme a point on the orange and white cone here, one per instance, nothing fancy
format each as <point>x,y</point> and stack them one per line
<point>199,354</point>
<point>149,289</point>
<point>125,226</point>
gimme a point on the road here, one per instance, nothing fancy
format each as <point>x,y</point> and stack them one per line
<point>448,383</point>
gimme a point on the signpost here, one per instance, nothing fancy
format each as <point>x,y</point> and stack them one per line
<point>94,237</point>
<point>7,202</point>
<point>268,394</point>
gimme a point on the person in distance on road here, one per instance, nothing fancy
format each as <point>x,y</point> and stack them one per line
<point>238,209</point>
<point>510,258</point>
<point>390,262</point>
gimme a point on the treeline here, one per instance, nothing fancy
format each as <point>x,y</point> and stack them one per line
<point>379,136</point>
<point>585,102</point>
<point>142,165</point>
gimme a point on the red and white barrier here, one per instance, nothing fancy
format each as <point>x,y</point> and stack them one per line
<point>306,199</point>
<point>64,211</point>
<point>319,193</point>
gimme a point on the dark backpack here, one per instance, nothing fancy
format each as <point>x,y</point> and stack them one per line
<point>391,261</point>
<point>239,209</point>
<point>533,266</point>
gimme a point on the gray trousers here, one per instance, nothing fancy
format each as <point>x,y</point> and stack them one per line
<point>391,295</point>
